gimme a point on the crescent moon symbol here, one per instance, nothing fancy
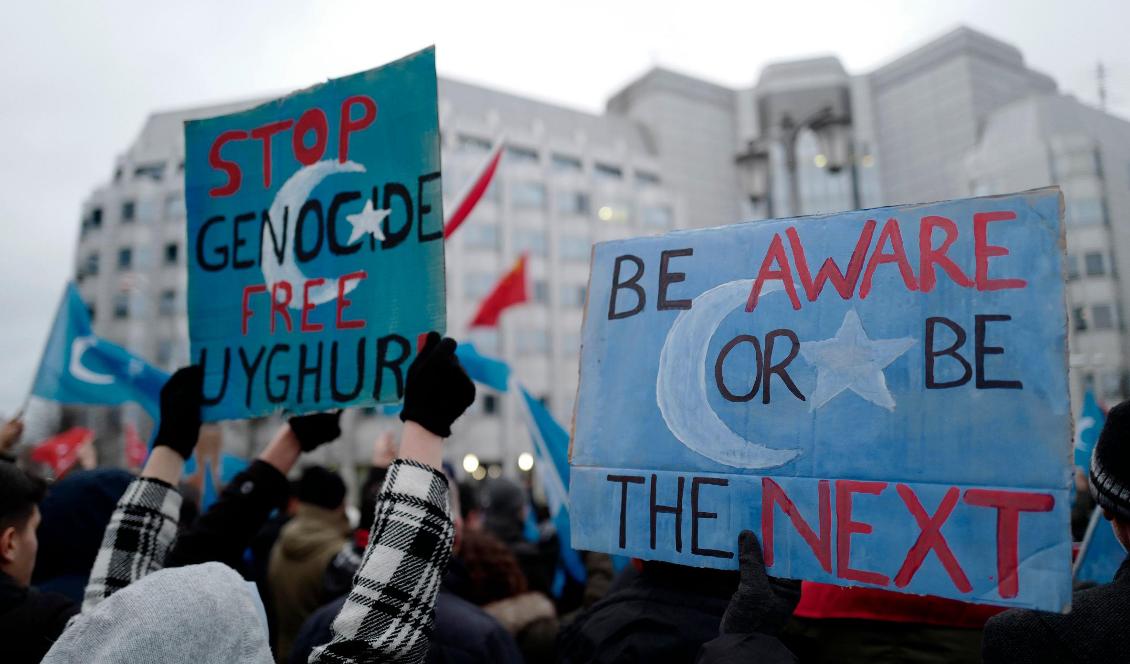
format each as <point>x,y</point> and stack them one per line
<point>292,195</point>
<point>680,389</point>
<point>76,368</point>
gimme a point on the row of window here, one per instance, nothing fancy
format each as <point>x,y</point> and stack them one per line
<point>1096,317</point>
<point>154,170</point>
<point>534,241</point>
<point>1094,265</point>
<point>126,260</point>
<point>128,212</point>
<point>527,341</point>
<point>560,163</point>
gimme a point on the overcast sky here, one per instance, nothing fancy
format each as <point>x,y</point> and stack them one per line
<point>78,79</point>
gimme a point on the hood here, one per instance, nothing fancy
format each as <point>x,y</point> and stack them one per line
<point>198,613</point>
<point>313,529</point>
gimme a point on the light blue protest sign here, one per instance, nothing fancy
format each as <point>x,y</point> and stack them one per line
<point>315,243</point>
<point>880,395</point>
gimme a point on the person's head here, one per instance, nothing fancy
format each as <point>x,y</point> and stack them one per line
<point>20,494</point>
<point>1110,471</point>
<point>321,487</point>
<point>504,509</point>
<point>492,569</point>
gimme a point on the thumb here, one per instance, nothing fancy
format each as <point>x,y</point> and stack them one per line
<point>750,559</point>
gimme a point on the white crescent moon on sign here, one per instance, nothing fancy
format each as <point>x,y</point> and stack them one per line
<point>76,368</point>
<point>680,388</point>
<point>291,196</point>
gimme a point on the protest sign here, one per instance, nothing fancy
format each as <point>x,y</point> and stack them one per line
<point>315,243</point>
<point>880,395</point>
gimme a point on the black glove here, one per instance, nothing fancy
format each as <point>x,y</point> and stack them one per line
<point>181,397</point>
<point>437,390</point>
<point>761,603</point>
<point>317,429</point>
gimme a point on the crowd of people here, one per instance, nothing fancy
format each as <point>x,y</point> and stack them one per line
<point>103,566</point>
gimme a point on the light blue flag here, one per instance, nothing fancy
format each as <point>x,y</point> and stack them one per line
<point>80,368</point>
<point>230,466</point>
<point>1100,554</point>
<point>1087,428</point>
<point>482,369</point>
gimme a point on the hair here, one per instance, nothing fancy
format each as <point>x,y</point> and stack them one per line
<point>493,570</point>
<point>322,487</point>
<point>20,492</point>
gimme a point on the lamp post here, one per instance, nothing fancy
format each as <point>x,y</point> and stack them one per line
<point>833,132</point>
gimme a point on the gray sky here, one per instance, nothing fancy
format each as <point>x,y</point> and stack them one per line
<point>79,78</point>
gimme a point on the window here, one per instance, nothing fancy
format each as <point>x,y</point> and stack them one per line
<point>121,305</point>
<point>165,352</point>
<point>541,291</point>
<point>529,240</point>
<point>573,203</point>
<point>96,218</point>
<point>574,248</point>
<point>1076,162</point>
<point>490,404</point>
<point>1086,211</point>
<point>532,342</point>
<point>657,216</point>
<point>174,206</point>
<point>1102,317</point>
<point>572,295</point>
<point>1079,316</point>
<point>516,155</point>
<point>646,179</point>
<point>125,258</point>
<point>154,171</point>
<point>128,209</point>
<point>473,144</point>
<point>167,305</point>
<point>478,284</point>
<point>91,266</point>
<point>172,250</point>
<point>90,311</point>
<point>478,235</point>
<point>607,172</point>
<point>1093,264</point>
<point>571,344</point>
<point>566,164</point>
<point>528,195</point>
<point>1072,267</point>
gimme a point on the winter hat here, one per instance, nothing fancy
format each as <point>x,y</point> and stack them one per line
<point>322,487</point>
<point>193,614</point>
<point>1110,463</point>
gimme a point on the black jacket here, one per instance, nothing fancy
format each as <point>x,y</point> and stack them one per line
<point>463,634</point>
<point>1094,631</point>
<point>665,614</point>
<point>30,621</point>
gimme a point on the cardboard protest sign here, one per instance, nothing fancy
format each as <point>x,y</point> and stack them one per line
<point>315,243</point>
<point>880,395</point>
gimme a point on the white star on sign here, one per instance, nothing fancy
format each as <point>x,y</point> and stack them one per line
<point>368,220</point>
<point>851,360</point>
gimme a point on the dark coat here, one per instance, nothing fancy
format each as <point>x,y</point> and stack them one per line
<point>463,634</point>
<point>665,614</point>
<point>30,621</point>
<point>1094,630</point>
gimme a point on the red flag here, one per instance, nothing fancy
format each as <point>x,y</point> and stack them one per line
<point>509,291</point>
<point>136,451</point>
<point>478,188</point>
<point>61,452</point>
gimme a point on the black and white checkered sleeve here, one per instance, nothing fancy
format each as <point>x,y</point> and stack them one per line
<point>141,531</point>
<point>388,614</point>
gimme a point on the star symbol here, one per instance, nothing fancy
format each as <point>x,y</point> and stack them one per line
<point>851,360</point>
<point>368,220</point>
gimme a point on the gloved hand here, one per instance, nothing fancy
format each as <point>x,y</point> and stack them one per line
<point>437,390</point>
<point>761,603</point>
<point>181,397</point>
<point>317,429</point>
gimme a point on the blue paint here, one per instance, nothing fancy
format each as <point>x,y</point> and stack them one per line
<point>643,410</point>
<point>394,158</point>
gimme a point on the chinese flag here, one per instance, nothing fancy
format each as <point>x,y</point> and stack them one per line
<point>509,291</point>
<point>60,452</point>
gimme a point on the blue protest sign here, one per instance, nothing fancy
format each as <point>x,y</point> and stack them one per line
<point>880,395</point>
<point>315,243</point>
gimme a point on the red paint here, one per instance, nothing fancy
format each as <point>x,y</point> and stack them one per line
<point>845,528</point>
<point>772,495</point>
<point>1009,505</point>
<point>280,307</point>
<point>775,254</point>
<point>349,125</point>
<point>893,235</point>
<point>983,251</point>
<point>843,283</point>
<point>264,135</point>
<point>307,306</point>
<point>235,176</point>
<point>928,256</point>
<point>248,291</point>
<point>344,302</point>
<point>930,538</point>
<point>313,119</point>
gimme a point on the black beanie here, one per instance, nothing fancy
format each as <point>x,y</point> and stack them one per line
<point>322,487</point>
<point>1110,464</point>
